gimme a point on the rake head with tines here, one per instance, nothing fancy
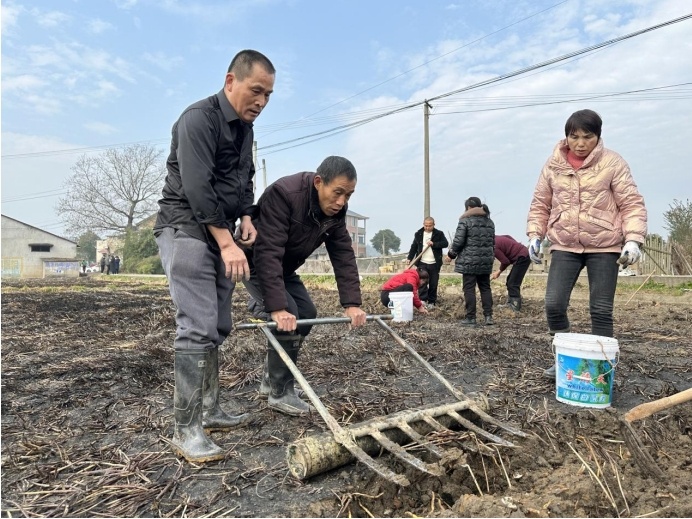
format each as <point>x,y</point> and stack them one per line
<point>312,456</point>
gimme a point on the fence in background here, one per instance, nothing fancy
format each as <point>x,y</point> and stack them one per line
<point>657,254</point>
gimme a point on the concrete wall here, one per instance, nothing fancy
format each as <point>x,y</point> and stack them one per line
<point>19,261</point>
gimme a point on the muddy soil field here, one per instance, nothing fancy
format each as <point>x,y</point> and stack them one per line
<point>87,393</point>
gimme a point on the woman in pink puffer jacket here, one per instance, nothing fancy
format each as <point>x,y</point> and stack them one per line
<point>587,204</point>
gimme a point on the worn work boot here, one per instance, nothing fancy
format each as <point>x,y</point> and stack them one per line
<point>283,397</point>
<point>189,440</point>
<point>489,320</point>
<point>551,372</point>
<point>514,303</point>
<point>213,417</point>
<point>468,321</point>
<point>266,388</point>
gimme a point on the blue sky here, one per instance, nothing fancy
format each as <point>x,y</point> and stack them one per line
<point>82,75</point>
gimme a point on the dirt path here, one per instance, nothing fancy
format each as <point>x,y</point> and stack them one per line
<point>87,395</point>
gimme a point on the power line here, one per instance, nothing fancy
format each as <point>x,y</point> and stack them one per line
<point>77,150</point>
<point>542,103</point>
<point>339,129</point>
<point>33,196</point>
<point>307,139</point>
<point>430,61</point>
<point>293,124</point>
<point>564,57</point>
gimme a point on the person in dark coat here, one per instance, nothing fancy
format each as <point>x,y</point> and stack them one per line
<point>103,263</point>
<point>116,261</point>
<point>509,251</point>
<point>111,265</point>
<point>473,249</point>
<point>432,241</point>
<point>296,214</point>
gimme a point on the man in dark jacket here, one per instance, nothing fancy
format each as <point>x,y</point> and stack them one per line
<point>509,251</point>
<point>207,189</point>
<point>432,241</point>
<point>297,214</point>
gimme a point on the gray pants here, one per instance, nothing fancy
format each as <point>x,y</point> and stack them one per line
<point>199,289</point>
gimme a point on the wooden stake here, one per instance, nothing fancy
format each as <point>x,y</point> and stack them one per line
<point>640,286</point>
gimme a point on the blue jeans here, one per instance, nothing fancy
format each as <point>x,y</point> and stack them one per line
<point>602,271</point>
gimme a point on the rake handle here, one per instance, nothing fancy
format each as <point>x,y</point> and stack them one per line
<point>311,322</point>
<point>647,409</point>
<point>413,261</point>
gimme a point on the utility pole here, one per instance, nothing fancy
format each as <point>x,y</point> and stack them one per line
<point>426,159</point>
<point>264,173</point>
<point>254,161</point>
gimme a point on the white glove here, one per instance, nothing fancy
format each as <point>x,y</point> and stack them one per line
<point>535,250</point>
<point>630,253</point>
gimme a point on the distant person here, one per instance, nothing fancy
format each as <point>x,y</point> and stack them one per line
<point>110,268</point>
<point>473,250</point>
<point>207,190</point>
<point>297,214</point>
<point>509,251</point>
<point>410,280</point>
<point>84,266</point>
<point>587,204</point>
<point>116,262</point>
<point>432,241</point>
<point>103,263</point>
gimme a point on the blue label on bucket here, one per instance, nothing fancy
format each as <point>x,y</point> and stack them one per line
<point>587,382</point>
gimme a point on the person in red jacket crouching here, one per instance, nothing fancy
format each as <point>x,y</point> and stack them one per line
<point>410,280</point>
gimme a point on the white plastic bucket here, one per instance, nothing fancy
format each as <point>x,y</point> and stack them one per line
<point>401,306</point>
<point>585,369</point>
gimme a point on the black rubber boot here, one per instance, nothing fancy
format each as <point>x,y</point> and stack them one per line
<point>282,397</point>
<point>514,303</point>
<point>468,321</point>
<point>213,417</point>
<point>189,440</point>
<point>489,320</point>
<point>266,387</point>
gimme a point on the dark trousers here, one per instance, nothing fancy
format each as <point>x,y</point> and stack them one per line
<point>199,289</point>
<point>428,293</point>
<point>297,299</point>
<point>483,282</point>
<point>602,271</point>
<point>384,294</point>
<point>516,276</point>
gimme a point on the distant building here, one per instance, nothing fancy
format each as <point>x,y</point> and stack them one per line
<point>30,252</point>
<point>355,224</point>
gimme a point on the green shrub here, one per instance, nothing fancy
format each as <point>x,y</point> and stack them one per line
<point>150,265</point>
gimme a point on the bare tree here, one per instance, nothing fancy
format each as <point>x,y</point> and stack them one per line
<point>111,191</point>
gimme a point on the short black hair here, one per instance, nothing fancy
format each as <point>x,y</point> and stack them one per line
<point>423,275</point>
<point>242,63</point>
<point>585,120</point>
<point>335,166</point>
